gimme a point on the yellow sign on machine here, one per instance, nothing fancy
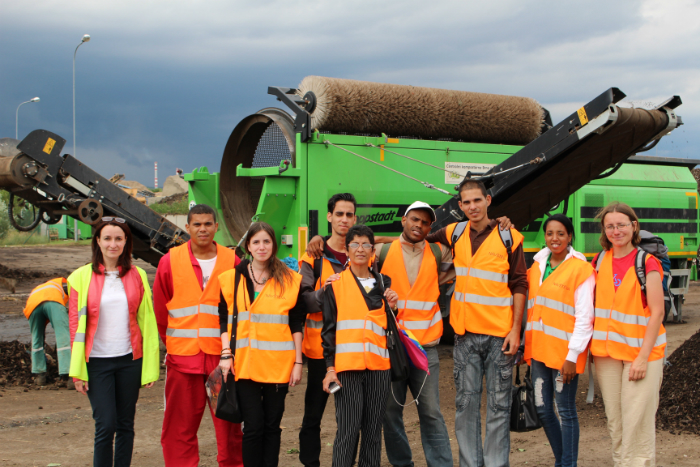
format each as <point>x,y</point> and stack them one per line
<point>583,118</point>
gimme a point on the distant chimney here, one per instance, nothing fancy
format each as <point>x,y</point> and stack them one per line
<point>156,181</point>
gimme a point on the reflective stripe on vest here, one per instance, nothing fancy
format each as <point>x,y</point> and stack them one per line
<point>551,312</point>
<point>418,309</point>
<point>312,343</point>
<point>360,332</point>
<point>482,302</point>
<point>193,313</point>
<point>51,291</point>
<point>621,318</point>
<point>265,351</point>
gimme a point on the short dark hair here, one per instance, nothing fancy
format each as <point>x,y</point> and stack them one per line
<point>341,197</point>
<point>565,221</point>
<point>471,185</point>
<point>124,260</point>
<point>200,209</point>
<point>359,230</point>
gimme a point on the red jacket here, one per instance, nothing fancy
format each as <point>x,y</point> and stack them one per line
<point>133,286</point>
<point>162,294</point>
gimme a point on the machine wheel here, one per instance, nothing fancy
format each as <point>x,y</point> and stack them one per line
<point>90,211</point>
<point>23,215</point>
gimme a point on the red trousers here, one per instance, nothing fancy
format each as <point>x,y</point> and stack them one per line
<point>185,398</point>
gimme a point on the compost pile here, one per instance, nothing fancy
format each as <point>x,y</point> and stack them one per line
<point>16,364</point>
<point>679,404</point>
<point>21,274</point>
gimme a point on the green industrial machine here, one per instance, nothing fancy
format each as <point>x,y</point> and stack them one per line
<point>282,169</point>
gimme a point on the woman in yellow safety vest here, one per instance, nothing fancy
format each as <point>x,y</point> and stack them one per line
<point>629,339</point>
<point>355,350</point>
<point>260,297</point>
<point>559,328</point>
<point>114,339</point>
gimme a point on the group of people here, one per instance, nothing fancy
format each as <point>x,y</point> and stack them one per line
<point>256,319</point>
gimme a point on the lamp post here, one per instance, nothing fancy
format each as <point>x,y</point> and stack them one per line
<point>86,38</point>
<point>36,99</point>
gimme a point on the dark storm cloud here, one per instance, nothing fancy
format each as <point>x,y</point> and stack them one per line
<point>168,81</point>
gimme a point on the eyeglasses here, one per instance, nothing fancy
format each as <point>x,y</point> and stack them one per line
<point>611,228</point>
<point>365,246</point>
<point>115,219</point>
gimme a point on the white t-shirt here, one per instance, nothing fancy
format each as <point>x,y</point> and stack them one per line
<point>207,266</point>
<point>368,283</point>
<point>112,337</point>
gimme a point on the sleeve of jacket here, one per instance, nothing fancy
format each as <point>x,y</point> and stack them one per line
<point>584,315</point>
<point>308,284</point>
<point>162,294</point>
<point>146,319</point>
<point>297,315</point>
<point>517,273</point>
<point>330,318</point>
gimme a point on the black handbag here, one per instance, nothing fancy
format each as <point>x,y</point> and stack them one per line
<point>523,414</point>
<point>227,406</point>
<point>398,359</point>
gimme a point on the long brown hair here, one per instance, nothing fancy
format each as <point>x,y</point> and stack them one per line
<point>622,208</point>
<point>124,260</point>
<point>278,271</point>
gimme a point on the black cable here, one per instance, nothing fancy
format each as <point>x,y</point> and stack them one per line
<point>28,228</point>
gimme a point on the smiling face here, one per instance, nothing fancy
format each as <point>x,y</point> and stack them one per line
<point>619,228</point>
<point>474,204</point>
<point>111,242</point>
<point>260,246</point>
<point>556,237</point>
<point>416,225</point>
<point>202,229</point>
<point>342,217</point>
<point>358,253</point>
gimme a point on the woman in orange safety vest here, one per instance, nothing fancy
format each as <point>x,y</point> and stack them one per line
<point>355,349</point>
<point>559,328</point>
<point>260,301</point>
<point>629,340</point>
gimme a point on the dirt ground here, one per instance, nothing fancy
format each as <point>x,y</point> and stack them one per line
<point>50,426</point>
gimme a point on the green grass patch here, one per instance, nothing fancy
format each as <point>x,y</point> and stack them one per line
<point>13,237</point>
<point>181,207</point>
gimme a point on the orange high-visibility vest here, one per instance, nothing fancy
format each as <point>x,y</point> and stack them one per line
<point>193,314</point>
<point>418,308</point>
<point>314,321</point>
<point>360,337</point>
<point>264,346</point>
<point>553,303</point>
<point>51,291</point>
<point>482,302</point>
<point>620,316</point>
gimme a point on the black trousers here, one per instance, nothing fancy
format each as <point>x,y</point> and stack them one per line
<point>359,408</point>
<point>114,385</point>
<point>315,401</point>
<point>262,407</point>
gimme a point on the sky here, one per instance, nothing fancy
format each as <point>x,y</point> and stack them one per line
<point>167,81</point>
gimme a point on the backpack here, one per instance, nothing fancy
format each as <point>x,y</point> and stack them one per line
<point>505,235</point>
<point>655,246</point>
<point>434,247</point>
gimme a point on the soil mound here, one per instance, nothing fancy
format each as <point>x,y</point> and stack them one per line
<point>22,274</point>
<point>170,200</point>
<point>679,404</point>
<point>16,364</point>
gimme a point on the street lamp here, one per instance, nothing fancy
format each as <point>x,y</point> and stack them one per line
<point>86,38</point>
<point>36,99</point>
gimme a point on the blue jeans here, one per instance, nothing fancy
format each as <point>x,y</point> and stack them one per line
<point>474,356</point>
<point>563,437</point>
<point>433,431</point>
